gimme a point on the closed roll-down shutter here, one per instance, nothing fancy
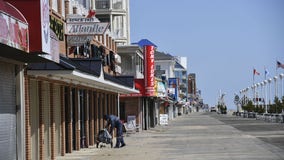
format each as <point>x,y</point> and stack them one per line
<point>7,111</point>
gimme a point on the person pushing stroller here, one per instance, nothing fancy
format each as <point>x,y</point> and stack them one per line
<point>114,122</point>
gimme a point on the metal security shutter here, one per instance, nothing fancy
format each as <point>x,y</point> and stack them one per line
<point>8,148</point>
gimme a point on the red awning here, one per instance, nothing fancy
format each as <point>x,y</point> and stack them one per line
<point>12,11</point>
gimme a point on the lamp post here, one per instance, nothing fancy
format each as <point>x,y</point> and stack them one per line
<point>262,95</point>
<point>265,92</point>
<point>252,93</point>
<point>275,86</point>
<point>269,88</point>
<point>281,79</point>
<point>257,99</point>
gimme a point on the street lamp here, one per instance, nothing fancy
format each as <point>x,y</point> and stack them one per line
<point>269,88</point>
<point>257,99</point>
<point>281,79</point>
<point>275,86</point>
<point>262,95</point>
<point>265,92</point>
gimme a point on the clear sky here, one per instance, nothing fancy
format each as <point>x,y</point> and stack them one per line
<point>223,40</point>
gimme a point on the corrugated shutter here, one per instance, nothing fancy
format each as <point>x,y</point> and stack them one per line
<point>7,111</point>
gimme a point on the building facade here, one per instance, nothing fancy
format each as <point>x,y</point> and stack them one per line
<point>116,12</point>
<point>59,87</point>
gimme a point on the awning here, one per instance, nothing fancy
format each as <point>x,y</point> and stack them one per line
<point>80,72</point>
<point>12,11</point>
<point>19,55</point>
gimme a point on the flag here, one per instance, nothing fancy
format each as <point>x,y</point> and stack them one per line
<point>280,65</point>
<point>266,73</point>
<point>91,13</point>
<point>255,72</point>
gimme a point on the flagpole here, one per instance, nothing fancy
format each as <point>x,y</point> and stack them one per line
<point>276,67</point>
<point>253,99</point>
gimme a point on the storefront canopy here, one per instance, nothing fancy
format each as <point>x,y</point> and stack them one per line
<point>86,72</point>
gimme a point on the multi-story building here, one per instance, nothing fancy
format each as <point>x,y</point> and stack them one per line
<point>60,83</point>
<point>165,65</point>
<point>192,86</point>
<point>143,106</point>
<point>181,74</point>
<point>116,12</point>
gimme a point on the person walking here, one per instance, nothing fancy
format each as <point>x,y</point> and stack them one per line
<point>114,122</point>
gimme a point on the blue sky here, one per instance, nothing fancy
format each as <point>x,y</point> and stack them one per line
<point>223,40</point>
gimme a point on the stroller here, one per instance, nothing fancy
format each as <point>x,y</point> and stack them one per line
<point>104,137</point>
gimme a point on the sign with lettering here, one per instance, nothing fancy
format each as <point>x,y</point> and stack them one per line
<point>164,119</point>
<point>78,40</point>
<point>85,26</point>
<point>58,27</point>
<point>45,29</point>
<point>149,71</point>
<point>14,33</point>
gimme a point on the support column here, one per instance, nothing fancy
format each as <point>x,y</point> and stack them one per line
<point>69,120</point>
<point>77,124</point>
<point>27,118</point>
<point>87,106</point>
<point>41,122</point>
<point>62,126</point>
<point>52,121</point>
<point>96,115</point>
<point>92,132</point>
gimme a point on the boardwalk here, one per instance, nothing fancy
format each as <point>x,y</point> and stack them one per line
<point>199,136</point>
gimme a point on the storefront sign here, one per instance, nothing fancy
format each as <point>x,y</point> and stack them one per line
<point>173,88</point>
<point>45,29</point>
<point>58,27</point>
<point>13,32</point>
<point>38,19</point>
<point>85,26</point>
<point>164,119</point>
<point>78,40</point>
<point>160,89</point>
<point>54,55</point>
<point>149,71</point>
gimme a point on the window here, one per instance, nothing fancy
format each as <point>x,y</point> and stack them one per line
<point>85,3</point>
<point>158,67</point>
<point>102,4</point>
<point>117,4</point>
<point>55,5</point>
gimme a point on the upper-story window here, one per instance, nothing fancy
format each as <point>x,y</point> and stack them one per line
<point>85,3</point>
<point>102,4</point>
<point>54,5</point>
<point>117,4</point>
<point>158,67</point>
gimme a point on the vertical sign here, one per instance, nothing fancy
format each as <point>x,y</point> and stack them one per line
<point>45,29</point>
<point>149,70</point>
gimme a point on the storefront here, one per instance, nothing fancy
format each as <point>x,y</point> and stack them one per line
<point>14,48</point>
<point>68,102</point>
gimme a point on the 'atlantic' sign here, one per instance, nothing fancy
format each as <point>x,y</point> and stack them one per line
<point>85,26</point>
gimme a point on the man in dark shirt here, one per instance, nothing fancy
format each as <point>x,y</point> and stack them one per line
<point>114,122</point>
